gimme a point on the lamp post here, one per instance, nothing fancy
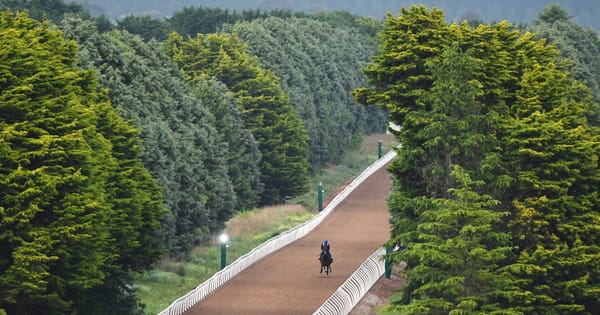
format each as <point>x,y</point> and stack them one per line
<point>223,238</point>
<point>320,196</point>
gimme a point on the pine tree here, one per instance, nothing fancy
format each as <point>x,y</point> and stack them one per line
<point>267,111</point>
<point>556,216</point>
<point>181,146</point>
<point>453,255</point>
<point>66,204</point>
<point>503,106</point>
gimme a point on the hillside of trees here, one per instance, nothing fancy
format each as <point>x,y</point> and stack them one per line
<point>585,12</point>
<point>126,140</point>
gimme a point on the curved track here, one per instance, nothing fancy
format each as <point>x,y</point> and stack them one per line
<point>288,281</point>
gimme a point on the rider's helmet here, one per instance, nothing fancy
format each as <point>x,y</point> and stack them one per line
<point>325,242</point>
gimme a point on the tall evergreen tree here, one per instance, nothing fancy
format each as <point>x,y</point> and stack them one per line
<point>581,46</point>
<point>244,156</point>
<point>181,146</point>
<point>267,111</point>
<point>72,226</point>
<point>505,108</point>
<point>554,154</point>
<point>453,255</point>
<point>397,76</point>
<point>319,65</point>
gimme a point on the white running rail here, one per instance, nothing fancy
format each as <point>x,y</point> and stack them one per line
<point>355,287</point>
<point>185,302</point>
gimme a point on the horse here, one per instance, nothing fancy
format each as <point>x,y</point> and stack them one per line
<point>326,261</point>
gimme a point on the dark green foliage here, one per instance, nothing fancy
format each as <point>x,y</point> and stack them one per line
<point>200,20</point>
<point>244,156</point>
<point>267,111</point>
<point>103,24</point>
<point>145,26</point>
<point>181,146</point>
<point>78,212</point>
<point>318,65</point>
<point>584,11</point>
<point>581,46</point>
<point>53,10</point>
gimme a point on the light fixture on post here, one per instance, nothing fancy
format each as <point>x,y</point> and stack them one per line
<point>223,238</point>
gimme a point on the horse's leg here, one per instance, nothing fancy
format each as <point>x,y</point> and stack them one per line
<point>321,269</point>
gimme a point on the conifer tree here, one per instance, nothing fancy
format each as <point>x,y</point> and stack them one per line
<point>397,76</point>
<point>267,111</point>
<point>319,65</point>
<point>503,106</point>
<point>453,255</point>
<point>554,154</point>
<point>181,146</point>
<point>580,45</point>
<point>72,224</point>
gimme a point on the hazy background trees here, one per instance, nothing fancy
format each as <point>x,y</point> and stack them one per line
<point>584,11</point>
<point>318,64</point>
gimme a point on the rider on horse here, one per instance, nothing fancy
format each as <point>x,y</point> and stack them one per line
<point>325,249</point>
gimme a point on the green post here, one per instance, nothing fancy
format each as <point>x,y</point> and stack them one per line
<point>388,263</point>
<point>223,238</point>
<point>320,196</point>
<point>379,150</point>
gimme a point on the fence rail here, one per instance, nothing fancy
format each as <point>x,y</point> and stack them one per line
<point>355,287</point>
<point>185,302</point>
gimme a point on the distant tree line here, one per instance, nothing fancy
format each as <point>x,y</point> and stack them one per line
<point>584,12</point>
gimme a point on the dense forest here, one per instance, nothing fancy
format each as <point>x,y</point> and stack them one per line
<point>124,140</point>
<point>585,12</point>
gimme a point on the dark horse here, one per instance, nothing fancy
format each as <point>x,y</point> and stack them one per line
<point>326,260</point>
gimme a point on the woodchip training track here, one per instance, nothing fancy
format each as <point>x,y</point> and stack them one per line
<point>288,282</point>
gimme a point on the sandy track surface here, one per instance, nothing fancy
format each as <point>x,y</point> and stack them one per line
<point>288,281</point>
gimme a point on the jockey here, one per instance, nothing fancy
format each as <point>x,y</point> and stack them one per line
<point>325,247</point>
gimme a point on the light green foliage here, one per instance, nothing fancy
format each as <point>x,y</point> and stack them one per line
<point>66,205</point>
<point>580,45</point>
<point>397,75</point>
<point>453,254</point>
<point>503,107</point>
<point>556,219</point>
<point>267,111</point>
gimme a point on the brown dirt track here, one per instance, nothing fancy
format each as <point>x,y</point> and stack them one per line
<point>288,281</point>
